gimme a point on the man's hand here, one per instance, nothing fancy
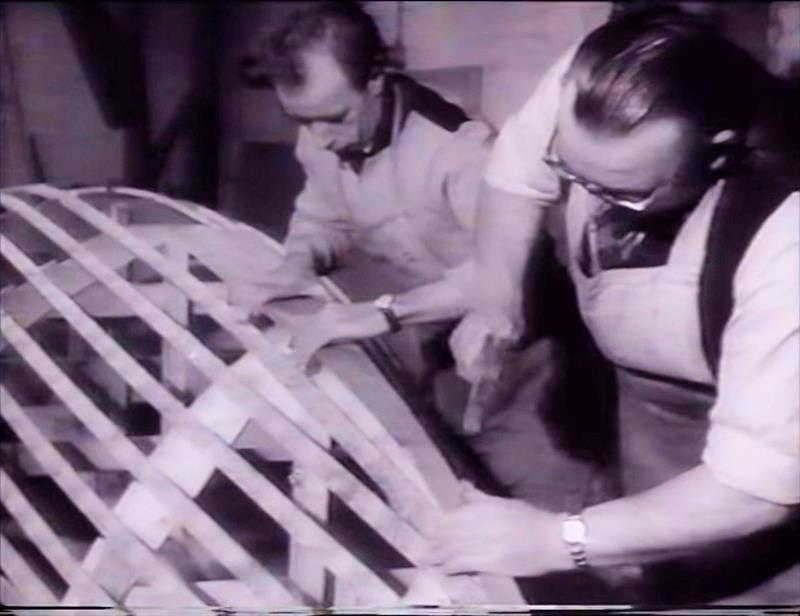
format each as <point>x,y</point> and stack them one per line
<point>337,323</point>
<point>289,279</point>
<point>499,536</point>
<point>477,332</point>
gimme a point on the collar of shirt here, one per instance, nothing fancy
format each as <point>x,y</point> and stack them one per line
<point>402,95</point>
<point>382,136</point>
<point>624,238</point>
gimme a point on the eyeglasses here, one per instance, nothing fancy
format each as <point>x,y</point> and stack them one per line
<point>611,197</point>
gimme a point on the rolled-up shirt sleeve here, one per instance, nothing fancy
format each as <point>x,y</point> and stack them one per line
<point>515,165</point>
<point>754,440</point>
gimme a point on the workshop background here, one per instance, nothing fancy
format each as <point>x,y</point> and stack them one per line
<point>147,94</point>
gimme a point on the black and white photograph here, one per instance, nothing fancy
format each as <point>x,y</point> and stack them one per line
<point>399,307</point>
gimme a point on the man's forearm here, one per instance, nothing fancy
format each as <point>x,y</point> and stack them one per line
<point>508,225</point>
<point>682,515</point>
<point>436,301</point>
<point>299,258</point>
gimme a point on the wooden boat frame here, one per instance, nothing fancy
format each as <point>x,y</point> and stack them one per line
<point>262,401</point>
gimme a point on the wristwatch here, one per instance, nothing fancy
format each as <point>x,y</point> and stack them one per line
<point>385,304</point>
<point>573,533</point>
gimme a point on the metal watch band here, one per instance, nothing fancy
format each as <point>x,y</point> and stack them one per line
<point>578,557</point>
<point>574,536</point>
<point>384,304</point>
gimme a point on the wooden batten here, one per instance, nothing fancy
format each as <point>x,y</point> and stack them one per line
<point>210,412</point>
<point>96,511</point>
<point>156,504</point>
<point>185,455</point>
<point>279,383</point>
<point>393,528</point>
<point>23,584</point>
<point>345,431</point>
<point>85,590</point>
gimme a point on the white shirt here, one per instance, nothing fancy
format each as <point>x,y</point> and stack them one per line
<point>753,443</point>
<point>412,204</point>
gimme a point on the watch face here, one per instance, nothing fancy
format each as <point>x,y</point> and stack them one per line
<point>574,531</point>
<point>384,301</point>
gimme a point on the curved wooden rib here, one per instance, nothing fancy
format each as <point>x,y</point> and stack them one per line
<point>360,419</point>
<point>272,393</point>
<point>410,502</point>
<point>23,580</point>
<point>11,594</point>
<point>153,482</point>
<point>205,445</point>
<point>195,212</point>
<point>221,253</point>
<point>387,522</point>
<point>23,303</point>
<point>95,510</point>
<point>86,592</point>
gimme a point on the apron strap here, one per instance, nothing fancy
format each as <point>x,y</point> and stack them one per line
<point>746,203</point>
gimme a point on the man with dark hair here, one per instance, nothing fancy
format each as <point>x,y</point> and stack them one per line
<point>344,29</point>
<point>680,219</point>
<point>393,171</point>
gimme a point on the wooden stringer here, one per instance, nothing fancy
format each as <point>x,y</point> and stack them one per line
<point>156,542</point>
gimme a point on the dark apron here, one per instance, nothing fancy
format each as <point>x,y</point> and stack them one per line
<point>663,428</point>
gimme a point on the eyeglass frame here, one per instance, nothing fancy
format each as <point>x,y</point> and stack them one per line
<point>557,165</point>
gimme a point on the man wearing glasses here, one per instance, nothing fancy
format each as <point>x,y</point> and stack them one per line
<point>681,217</point>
